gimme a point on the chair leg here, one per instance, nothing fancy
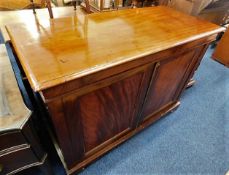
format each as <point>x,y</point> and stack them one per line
<point>48,4</point>
<point>74,4</point>
<point>33,6</point>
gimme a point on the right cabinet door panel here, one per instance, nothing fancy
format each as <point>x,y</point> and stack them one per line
<point>169,75</point>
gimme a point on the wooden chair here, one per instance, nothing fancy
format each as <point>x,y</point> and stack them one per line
<point>48,5</point>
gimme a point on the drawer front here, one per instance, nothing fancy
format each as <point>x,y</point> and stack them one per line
<point>15,161</point>
<point>11,139</point>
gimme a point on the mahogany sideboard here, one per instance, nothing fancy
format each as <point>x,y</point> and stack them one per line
<point>104,77</point>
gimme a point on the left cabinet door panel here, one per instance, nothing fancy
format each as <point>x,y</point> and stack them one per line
<point>93,117</point>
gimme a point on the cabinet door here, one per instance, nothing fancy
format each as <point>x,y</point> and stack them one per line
<point>106,112</point>
<point>93,117</point>
<point>168,79</point>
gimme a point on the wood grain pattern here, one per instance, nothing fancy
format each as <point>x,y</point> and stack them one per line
<point>168,77</point>
<point>101,91</point>
<point>94,118</point>
<point>27,16</point>
<point>90,117</point>
<point>56,111</point>
<point>108,111</point>
<point>55,43</point>
<point>221,53</point>
<point>54,92</point>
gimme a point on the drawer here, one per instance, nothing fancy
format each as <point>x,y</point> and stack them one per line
<point>11,139</point>
<point>13,162</point>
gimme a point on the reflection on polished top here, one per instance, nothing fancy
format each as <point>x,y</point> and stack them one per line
<point>26,16</point>
<point>55,51</point>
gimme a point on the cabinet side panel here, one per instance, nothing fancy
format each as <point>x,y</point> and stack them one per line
<point>56,110</point>
<point>199,53</point>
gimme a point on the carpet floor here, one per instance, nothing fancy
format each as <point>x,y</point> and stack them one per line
<point>192,140</point>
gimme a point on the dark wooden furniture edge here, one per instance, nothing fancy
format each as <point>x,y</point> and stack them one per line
<point>28,128</point>
<point>220,62</point>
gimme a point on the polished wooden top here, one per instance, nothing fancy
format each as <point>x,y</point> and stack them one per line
<point>13,112</point>
<point>53,52</point>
